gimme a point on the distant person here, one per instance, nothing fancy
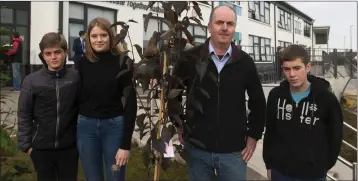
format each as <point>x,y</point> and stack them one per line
<point>16,60</point>
<point>105,123</point>
<point>304,123</point>
<point>47,113</point>
<point>78,47</point>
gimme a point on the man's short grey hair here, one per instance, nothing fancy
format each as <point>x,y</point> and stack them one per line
<point>213,10</point>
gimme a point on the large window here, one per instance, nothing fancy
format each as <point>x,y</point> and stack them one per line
<point>198,32</point>
<point>298,27</point>
<point>14,17</point>
<point>80,15</point>
<point>259,10</point>
<point>260,48</point>
<point>307,30</point>
<point>285,20</point>
<point>283,44</point>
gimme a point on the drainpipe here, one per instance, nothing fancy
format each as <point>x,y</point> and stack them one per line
<point>312,33</point>
<point>274,27</point>
<point>293,27</point>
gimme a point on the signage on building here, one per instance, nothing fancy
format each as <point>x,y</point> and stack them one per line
<point>138,5</point>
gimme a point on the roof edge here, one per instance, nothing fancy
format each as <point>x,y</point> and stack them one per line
<point>297,11</point>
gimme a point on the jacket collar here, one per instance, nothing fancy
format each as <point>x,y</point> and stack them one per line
<point>235,55</point>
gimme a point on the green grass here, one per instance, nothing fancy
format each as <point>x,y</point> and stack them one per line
<point>135,169</point>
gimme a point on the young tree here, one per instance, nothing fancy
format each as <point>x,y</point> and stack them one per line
<point>157,62</point>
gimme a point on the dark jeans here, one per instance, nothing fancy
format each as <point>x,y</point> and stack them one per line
<point>98,138</point>
<point>277,176</point>
<point>201,165</point>
<point>56,165</point>
<point>16,75</point>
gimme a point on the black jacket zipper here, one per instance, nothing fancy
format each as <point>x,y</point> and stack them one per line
<point>218,112</point>
<point>37,130</point>
<point>58,110</point>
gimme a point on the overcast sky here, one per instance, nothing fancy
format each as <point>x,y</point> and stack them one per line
<point>338,15</point>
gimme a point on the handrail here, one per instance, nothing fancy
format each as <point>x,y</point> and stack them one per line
<point>349,126</point>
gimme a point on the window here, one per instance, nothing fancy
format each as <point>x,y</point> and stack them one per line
<point>284,21</point>
<point>233,2</point>
<point>155,24</point>
<point>79,17</point>
<point>260,11</point>
<point>307,30</point>
<point>283,44</point>
<point>14,18</point>
<point>6,15</point>
<point>298,28</point>
<point>260,48</point>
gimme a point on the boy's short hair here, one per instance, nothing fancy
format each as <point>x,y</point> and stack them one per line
<point>53,39</point>
<point>293,52</point>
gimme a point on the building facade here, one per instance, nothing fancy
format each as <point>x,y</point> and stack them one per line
<point>33,19</point>
<point>264,25</point>
<point>261,26</point>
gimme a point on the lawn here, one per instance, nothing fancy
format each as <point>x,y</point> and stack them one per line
<point>134,171</point>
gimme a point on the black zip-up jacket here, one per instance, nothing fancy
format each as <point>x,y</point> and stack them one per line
<point>224,125</point>
<point>303,140</point>
<point>48,109</point>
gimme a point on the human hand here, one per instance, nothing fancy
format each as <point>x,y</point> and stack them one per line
<point>180,135</point>
<point>249,150</point>
<point>269,174</point>
<point>122,157</point>
<point>29,151</point>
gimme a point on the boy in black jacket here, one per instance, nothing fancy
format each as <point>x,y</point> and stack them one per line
<point>304,123</point>
<point>47,113</point>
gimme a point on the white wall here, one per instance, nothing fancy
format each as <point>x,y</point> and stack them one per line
<point>247,26</point>
<point>300,38</point>
<point>136,30</point>
<point>44,19</point>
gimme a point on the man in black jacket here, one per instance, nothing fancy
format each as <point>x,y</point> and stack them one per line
<point>217,74</point>
<point>304,123</point>
<point>47,113</point>
<point>78,47</point>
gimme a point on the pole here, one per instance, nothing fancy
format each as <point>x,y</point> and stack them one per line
<point>355,171</point>
<point>350,35</point>
<point>160,117</point>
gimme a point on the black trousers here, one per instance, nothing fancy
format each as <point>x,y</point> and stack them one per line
<point>56,165</point>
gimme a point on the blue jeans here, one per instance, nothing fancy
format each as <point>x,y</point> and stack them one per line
<point>201,165</point>
<point>277,176</point>
<point>98,140</point>
<point>16,75</point>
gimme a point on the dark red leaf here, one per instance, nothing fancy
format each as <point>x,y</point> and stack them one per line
<point>197,9</point>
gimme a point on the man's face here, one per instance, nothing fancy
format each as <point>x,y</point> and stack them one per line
<point>222,26</point>
<point>54,57</point>
<point>99,39</point>
<point>296,72</point>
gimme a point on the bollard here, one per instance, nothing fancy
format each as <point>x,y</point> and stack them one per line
<point>355,171</point>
